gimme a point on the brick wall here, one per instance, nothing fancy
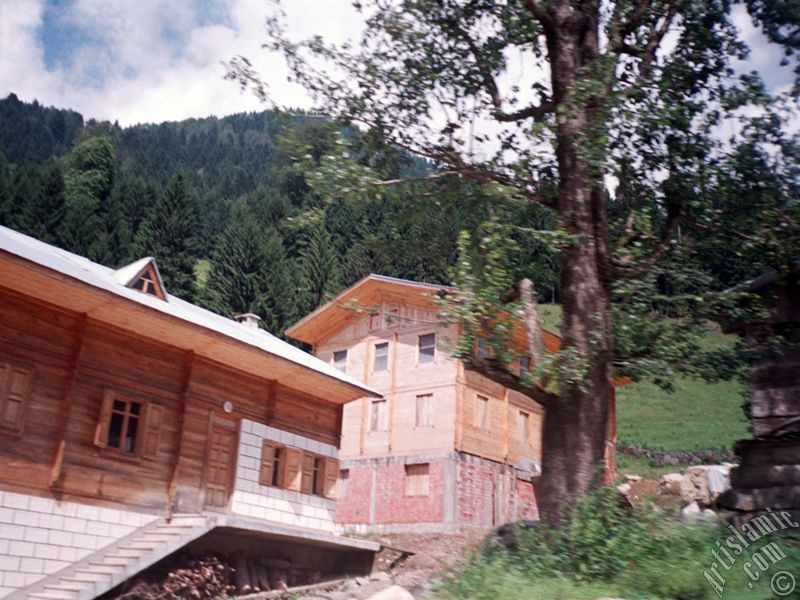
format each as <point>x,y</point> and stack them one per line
<point>393,506</point>
<point>476,492</point>
<point>283,506</point>
<point>39,536</point>
<point>527,506</point>
<point>354,504</point>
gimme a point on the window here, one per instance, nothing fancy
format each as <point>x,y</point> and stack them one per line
<point>482,412</point>
<point>377,420</point>
<point>15,389</point>
<point>375,320</point>
<point>524,365</point>
<point>427,348</point>
<point>292,469</point>
<point>424,402</point>
<point>129,426</point>
<point>124,425</point>
<point>392,316</point>
<point>340,360</point>
<point>381,357</point>
<point>148,283</point>
<point>417,480</point>
<point>344,479</point>
<point>481,347</point>
<point>524,425</point>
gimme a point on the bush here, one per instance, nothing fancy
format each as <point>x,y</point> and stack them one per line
<point>604,548</point>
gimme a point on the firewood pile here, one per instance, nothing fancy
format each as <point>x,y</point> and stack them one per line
<point>215,576</point>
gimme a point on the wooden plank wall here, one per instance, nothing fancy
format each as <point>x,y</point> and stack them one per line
<point>74,362</point>
<point>501,440</point>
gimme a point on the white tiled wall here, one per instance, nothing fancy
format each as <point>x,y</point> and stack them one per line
<point>39,536</point>
<point>273,504</point>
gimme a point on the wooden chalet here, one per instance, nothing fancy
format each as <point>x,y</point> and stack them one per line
<point>442,448</point>
<point>133,423</point>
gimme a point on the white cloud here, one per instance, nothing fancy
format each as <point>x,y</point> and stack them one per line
<point>154,60</point>
<point>151,60</point>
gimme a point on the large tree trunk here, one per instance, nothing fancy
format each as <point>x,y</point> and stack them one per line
<point>575,427</point>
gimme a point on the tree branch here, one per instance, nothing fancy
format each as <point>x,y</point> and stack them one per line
<point>531,320</point>
<point>500,375</point>
<point>536,112</point>
<point>623,270</point>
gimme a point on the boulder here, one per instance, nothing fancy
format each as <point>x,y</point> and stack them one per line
<point>704,483</point>
<point>624,488</point>
<point>633,478</point>
<point>672,481</point>
<point>693,512</point>
<point>392,593</point>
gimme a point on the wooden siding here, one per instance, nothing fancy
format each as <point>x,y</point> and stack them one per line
<point>75,360</point>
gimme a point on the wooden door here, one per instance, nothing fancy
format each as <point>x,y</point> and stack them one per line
<point>220,462</point>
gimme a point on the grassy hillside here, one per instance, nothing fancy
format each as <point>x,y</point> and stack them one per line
<point>696,416</point>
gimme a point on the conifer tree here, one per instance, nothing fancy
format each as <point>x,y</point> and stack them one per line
<point>168,234</point>
<point>320,266</point>
<point>42,213</point>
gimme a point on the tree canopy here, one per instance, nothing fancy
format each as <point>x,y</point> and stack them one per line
<point>612,117</point>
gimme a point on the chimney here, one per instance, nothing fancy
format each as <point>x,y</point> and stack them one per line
<point>248,320</point>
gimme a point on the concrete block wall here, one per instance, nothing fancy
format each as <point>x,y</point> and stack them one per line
<point>39,536</point>
<point>287,507</point>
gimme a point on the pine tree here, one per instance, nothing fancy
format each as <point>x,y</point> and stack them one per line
<point>168,234</point>
<point>320,267</point>
<point>42,214</point>
<point>251,273</point>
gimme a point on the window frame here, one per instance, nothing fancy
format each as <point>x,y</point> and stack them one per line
<point>417,480</point>
<point>334,362</point>
<point>421,349</point>
<point>375,346</point>
<point>148,430</point>
<point>22,398</point>
<point>481,403</point>
<point>378,423</point>
<point>524,426</point>
<point>313,476</point>
<point>428,412</point>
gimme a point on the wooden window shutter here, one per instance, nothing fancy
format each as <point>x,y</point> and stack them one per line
<point>307,480</point>
<point>331,477</point>
<point>152,431</point>
<point>267,474</point>
<point>15,388</point>
<point>101,430</point>
<point>293,473</point>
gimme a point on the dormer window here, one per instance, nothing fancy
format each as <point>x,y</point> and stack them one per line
<point>142,276</point>
<point>146,283</point>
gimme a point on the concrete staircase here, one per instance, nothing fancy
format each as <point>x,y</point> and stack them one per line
<point>108,567</point>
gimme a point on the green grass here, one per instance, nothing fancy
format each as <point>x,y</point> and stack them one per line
<point>201,270</point>
<point>603,549</point>
<point>695,416</point>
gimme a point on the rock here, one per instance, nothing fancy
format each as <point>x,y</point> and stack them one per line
<point>691,511</point>
<point>672,481</point>
<point>633,478</point>
<point>361,580</point>
<point>704,483</point>
<point>624,488</point>
<point>392,593</point>
<point>380,576</point>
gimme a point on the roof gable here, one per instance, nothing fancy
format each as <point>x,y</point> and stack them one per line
<point>143,276</point>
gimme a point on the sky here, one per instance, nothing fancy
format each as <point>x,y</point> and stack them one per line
<point>138,61</point>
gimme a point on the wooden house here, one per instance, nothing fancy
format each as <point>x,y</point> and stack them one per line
<point>442,448</point>
<point>133,423</point>
<point>768,474</point>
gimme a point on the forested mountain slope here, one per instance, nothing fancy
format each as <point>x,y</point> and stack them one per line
<point>226,198</point>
